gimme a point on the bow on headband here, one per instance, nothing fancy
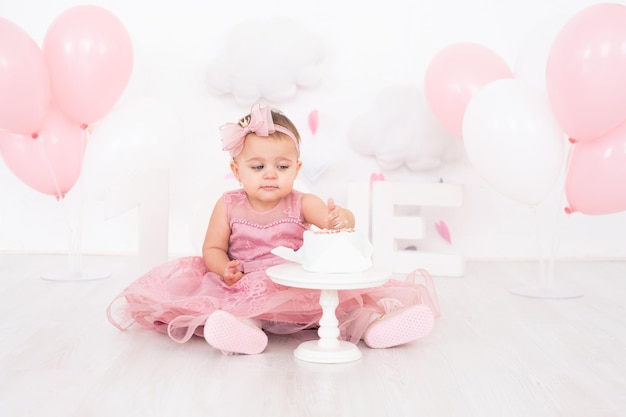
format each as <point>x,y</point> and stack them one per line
<point>261,124</point>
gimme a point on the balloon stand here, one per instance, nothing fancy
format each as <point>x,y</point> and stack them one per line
<point>74,270</point>
<point>546,287</point>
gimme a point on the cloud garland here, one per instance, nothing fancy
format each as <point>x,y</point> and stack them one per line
<point>267,60</point>
<point>400,131</point>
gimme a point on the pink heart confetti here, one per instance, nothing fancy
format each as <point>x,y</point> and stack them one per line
<point>444,232</point>
<point>376,176</point>
<point>314,120</point>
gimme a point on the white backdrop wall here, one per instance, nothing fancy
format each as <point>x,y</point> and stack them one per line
<point>367,47</point>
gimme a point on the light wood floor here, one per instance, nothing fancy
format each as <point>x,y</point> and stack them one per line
<point>491,354</point>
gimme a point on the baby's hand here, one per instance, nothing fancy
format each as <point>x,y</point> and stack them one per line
<point>338,217</point>
<point>232,274</point>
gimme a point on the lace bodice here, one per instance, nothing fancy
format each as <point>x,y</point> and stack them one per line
<point>254,234</point>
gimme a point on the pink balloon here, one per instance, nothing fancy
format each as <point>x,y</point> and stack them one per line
<point>454,75</point>
<point>314,121</point>
<point>24,81</point>
<point>89,54</point>
<point>586,72</point>
<point>51,162</point>
<point>596,178</point>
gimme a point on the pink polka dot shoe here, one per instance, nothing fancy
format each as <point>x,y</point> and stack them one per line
<point>399,326</point>
<point>233,335</point>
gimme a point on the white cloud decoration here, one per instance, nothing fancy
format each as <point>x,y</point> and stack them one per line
<point>267,59</point>
<point>401,130</point>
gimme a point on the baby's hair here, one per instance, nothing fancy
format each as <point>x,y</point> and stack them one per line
<point>279,119</point>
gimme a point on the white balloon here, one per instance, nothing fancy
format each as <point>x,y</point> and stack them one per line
<point>513,141</point>
<point>135,137</point>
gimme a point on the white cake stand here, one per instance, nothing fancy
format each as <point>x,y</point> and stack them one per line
<point>328,349</point>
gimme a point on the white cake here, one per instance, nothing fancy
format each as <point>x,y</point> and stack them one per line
<point>331,251</point>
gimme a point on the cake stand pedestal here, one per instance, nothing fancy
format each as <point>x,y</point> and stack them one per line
<point>328,349</point>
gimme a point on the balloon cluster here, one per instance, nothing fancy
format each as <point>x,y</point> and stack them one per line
<point>516,137</point>
<point>586,85</point>
<point>51,95</point>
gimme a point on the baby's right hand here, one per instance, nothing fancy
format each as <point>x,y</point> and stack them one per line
<point>232,274</point>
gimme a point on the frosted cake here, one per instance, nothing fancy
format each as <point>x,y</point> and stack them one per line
<point>331,251</point>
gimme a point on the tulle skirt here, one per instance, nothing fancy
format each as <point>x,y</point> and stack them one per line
<point>177,297</point>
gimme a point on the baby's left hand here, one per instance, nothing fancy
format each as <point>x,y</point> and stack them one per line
<point>338,217</point>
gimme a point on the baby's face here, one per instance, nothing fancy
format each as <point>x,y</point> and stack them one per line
<point>267,168</point>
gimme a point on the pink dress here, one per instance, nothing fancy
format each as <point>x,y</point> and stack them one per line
<point>177,297</point>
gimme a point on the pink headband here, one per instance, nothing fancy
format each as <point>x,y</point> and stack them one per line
<point>261,124</point>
